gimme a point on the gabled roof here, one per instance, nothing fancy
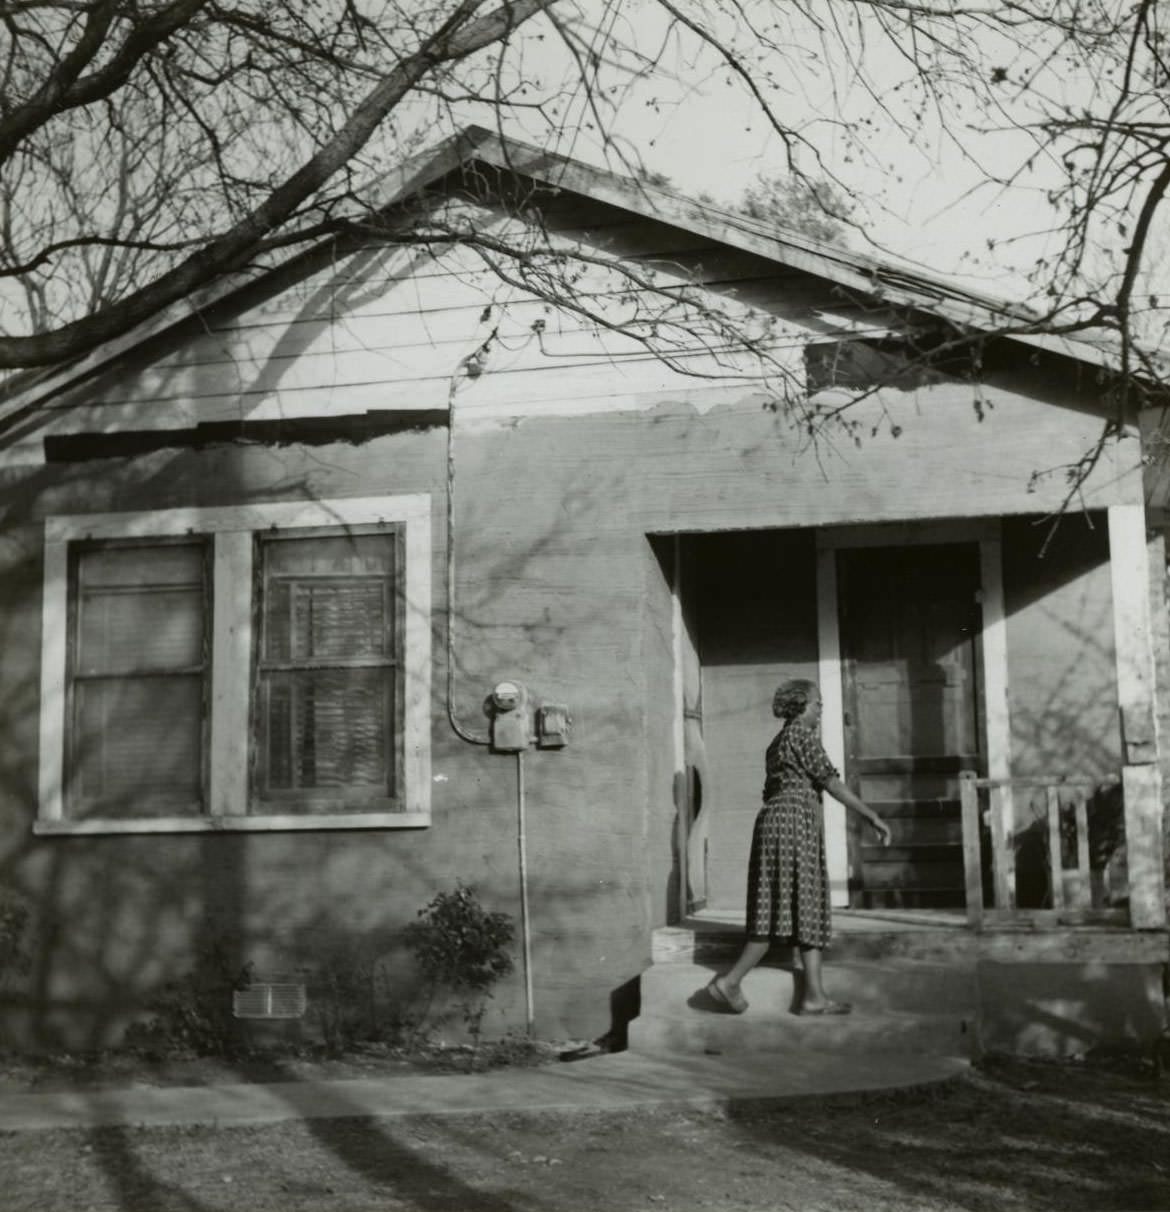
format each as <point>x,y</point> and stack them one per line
<point>885,282</point>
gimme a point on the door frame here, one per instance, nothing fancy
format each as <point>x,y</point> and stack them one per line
<point>993,671</point>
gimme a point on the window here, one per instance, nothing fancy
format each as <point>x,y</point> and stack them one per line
<point>137,669</point>
<point>326,686</point>
<point>265,667</point>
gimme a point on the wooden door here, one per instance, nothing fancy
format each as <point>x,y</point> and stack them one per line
<point>910,623</point>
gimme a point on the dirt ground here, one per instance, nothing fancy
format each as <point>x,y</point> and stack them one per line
<point>1011,1135</point>
<point>111,1070</point>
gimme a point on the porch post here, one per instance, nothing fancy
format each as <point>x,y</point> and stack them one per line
<point>677,733</point>
<point>832,721</point>
<point>998,720</point>
<point>1140,775</point>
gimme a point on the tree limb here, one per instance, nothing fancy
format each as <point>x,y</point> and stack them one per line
<point>458,37</point>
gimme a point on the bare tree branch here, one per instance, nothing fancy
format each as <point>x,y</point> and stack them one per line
<point>456,38</point>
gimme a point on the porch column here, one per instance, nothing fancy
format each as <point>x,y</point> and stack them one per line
<point>997,722</point>
<point>832,722</point>
<point>1140,775</point>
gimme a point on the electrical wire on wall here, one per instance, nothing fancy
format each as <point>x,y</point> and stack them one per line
<point>525,926</point>
<point>472,364</point>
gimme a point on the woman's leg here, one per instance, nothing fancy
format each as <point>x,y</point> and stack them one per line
<point>815,1000</point>
<point>814,981</point>
<point>753,951</point>
<point>725,988</point>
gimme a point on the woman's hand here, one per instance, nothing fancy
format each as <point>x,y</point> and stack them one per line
<point>842,794</point>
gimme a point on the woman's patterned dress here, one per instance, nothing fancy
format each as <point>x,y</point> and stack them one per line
<point>788,886</point>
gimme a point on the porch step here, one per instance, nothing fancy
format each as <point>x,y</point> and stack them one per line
<point>906,1008</point>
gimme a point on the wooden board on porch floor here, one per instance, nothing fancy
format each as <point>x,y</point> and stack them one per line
<point>847,921</point>
<point>714,936</point>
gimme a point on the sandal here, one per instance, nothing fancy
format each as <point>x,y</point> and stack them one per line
<point>736,1003</point>
<point>828,1008</point>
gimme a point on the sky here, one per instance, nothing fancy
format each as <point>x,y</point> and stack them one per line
<point>921,182</point>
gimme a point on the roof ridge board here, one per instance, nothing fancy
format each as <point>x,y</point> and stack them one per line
<point>503,155</point>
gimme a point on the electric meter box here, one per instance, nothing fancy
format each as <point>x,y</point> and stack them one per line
<point>552,726</point>
<point>510,728</point>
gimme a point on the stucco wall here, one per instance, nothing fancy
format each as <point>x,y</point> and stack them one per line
<point>558,585</point>
<point>560,606</point>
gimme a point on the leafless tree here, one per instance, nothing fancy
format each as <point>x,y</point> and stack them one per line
<point>148,147</point>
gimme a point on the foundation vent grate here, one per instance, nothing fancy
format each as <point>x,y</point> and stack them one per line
<point>270,999</point>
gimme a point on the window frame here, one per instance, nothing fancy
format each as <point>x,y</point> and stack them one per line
<point>305,798</point>
<point>232,532</point>
<point>76,552</point>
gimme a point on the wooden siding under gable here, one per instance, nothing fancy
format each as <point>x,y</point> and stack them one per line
<point>389,329</point>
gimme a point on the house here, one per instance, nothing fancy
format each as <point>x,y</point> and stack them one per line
<point>626,460</point>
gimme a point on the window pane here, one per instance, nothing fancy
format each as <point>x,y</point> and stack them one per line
<point>136,745</point>
<point>141,630</point>
<point>329,598</point>
<point>140,608</point>
<point>331,555</point>
<point>325,620</point>
<point>139,565</point>
<point>328,730</point>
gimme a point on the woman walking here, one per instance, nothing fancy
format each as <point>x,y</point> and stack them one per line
<point>788,886</point>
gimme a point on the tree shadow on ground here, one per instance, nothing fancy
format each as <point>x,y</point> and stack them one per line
<point>129,1181</point>
<point>1012,1134</point>
<point>374,1150</point>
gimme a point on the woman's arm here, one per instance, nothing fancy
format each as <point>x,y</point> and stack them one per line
<point>842,794</point>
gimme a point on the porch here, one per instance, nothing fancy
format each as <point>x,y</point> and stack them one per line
<point>954,663</point>
<point>999,709</point>
<point>921,981</point>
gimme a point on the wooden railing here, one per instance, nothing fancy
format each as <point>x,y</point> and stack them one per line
<point>1070,888</point>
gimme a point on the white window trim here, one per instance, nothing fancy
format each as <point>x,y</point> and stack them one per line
<point>231,529</point>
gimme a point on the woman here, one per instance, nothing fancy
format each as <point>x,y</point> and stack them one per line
<point>788,887</point>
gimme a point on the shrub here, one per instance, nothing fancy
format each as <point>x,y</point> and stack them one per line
<point>462,948</point>
<point>192,1014</point>
<point>351,999</point>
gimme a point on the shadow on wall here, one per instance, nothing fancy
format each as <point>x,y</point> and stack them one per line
<point>1063,697</point>
<point>1107,875</point>
<point>115,918</point>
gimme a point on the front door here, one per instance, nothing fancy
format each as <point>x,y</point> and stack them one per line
<point>910,622</point>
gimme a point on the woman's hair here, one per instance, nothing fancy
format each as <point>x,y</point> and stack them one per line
<point>791,698</point>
